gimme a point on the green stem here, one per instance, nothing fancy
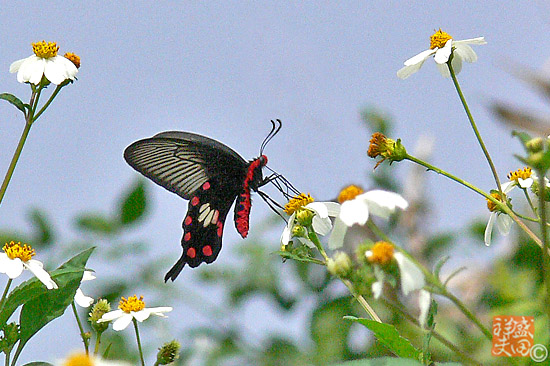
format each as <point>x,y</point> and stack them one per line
<point>97,342</point>
<point>433,280</point>
<point>544,235</point>
<point>138,342</point>
<point>504,207</point>
<point>360,299</point>
<point>463,355</point>
<point>530,202</point>
<point>81,328</point>
<point>14,160</point>
<point>50,100</point>
<point>5,294</point>
<point>474,126</point>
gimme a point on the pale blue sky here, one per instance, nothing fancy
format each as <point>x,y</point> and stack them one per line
<point>225,68</point>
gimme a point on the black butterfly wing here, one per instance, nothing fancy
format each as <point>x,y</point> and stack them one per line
<point>207,173</point>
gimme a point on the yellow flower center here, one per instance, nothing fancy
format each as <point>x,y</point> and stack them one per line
<point>298,202</point>
<point>16,250</point>
<point>381,253</point>
<point>491,205</point>
<point>131,304</point>
<point>520,173</point>
<point>73,58</point>
<point>349,193</point>
<point>438,39</point>
<point>79,359</point>
<point>45,49</point>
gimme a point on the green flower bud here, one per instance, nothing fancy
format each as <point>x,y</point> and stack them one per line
<point>534,145</point>
<point>168,353</point>
<point>339,265</point>
<point>304,217</point>
<point>299,231</point>
<point>101,307</point>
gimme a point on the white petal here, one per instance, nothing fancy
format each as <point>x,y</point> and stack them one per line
<point>424,301</point>
<point>407,71</point>
<point>159,311</point>
<point>333,208</point>
<point>287,231</point>
<point>82,300</point>
<point>88,276</point>
<point>442,54</point>
<point>466,53</point>
<point>338,234</point>
<point>111,315</point>
<point>525,183</point>
<point>489,228</point>
<point>478,40</point>
<point>420,58</point>
<point>37,269</point>
<point>122,322</point>
<point>377,289</point>
<point>321,226</point>
<point>12,267</point>
<point>14,67</point>
<point>508,186</point>
<point>457,64</point>
<point>58,69</point>
<point>319,208</point>
<point>305,241</point>
<point>383,203</point>
<point>355,211</point>
<point>141,315</point>
<point>31,70</point>
<point>504,222</point>
<point>412,277</point>
<point>444,70</point>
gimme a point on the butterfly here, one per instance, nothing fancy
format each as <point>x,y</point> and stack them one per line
<point>211,176</point>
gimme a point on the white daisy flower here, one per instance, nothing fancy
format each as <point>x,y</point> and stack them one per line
<point>17,257</point>
<point>319,213</point>
<point>356,208</point>
<point>522,177</point>
<point>45,62</point>
<point>132,308</point>
<point>82,359</point>
<point>503,221</point>
<point>79,297</point>
<point>442,46</point>
<point>411,277</point>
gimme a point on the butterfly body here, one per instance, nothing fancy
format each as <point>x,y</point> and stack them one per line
<point>211,176</point>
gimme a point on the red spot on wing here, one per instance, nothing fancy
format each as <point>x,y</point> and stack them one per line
<point>206,186</point>
<point>188,220</point>
<point>187,237</point>
<point>207,250</point>
<point>191,252</point>
<point>195,201</point>
<point>220,228</point>
<point>243,214</point>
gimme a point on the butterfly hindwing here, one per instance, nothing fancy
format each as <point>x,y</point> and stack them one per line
<point>203,226</point>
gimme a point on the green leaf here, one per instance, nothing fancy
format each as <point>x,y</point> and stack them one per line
<point>330,332</point>
<point>43,235</point>
<point>97,223</point>
<point>384,361</point>
<point>38,363</point>
<point>288,255</point>
<point>388,335</point>
<point>134,204</point>
<point>40,310</point>
<point>15,101</point>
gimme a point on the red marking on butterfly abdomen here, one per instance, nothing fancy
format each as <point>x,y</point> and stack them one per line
<point>243,204</point>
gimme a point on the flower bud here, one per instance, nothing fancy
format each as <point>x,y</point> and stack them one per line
<point>299,231</point>
<point>339,265</point>
<point>304,217</point>
<point>168,353</point>
<point>101,307</point>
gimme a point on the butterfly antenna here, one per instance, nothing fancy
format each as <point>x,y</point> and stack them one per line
<point>275,128</point>
<point>282,184</point>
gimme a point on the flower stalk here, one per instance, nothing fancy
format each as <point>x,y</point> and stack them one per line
<point>473,124</point>
<point>138,342</point>
<point>545,244</point>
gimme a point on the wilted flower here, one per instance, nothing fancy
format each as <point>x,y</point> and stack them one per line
<point>502,220</point>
